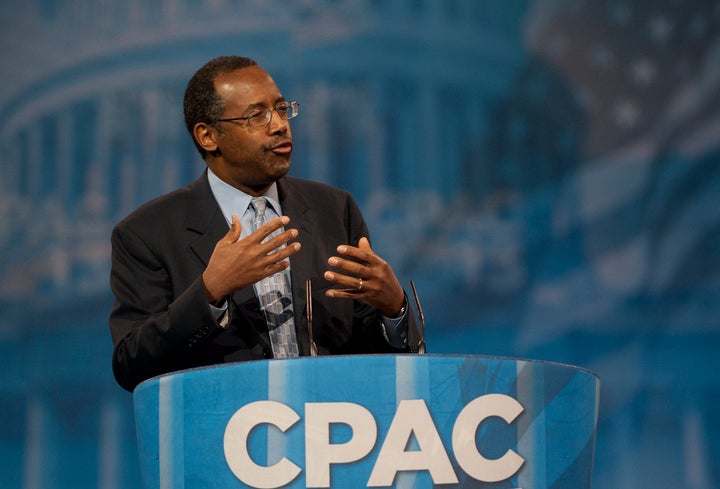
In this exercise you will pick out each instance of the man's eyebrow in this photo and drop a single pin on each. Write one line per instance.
(257, 105)
(263, 105)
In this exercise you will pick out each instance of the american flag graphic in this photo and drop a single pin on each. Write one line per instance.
(636, 66)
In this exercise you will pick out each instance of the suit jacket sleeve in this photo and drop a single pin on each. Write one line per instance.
(152, 328)
(327, 217)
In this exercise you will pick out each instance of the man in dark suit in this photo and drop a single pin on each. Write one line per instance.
(187, 289)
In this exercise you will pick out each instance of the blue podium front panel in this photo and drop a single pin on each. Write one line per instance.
(402, 421)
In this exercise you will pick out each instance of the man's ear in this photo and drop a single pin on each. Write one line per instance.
(206, 136)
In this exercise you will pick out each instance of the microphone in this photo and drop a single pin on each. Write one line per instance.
(421, 342)
(308, 313)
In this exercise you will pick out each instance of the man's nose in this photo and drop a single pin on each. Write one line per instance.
(277, 124)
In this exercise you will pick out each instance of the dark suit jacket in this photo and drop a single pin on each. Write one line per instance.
(161, 321)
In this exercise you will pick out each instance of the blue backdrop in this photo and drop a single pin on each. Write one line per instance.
(547, 172)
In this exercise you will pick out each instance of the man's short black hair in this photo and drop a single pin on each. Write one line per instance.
(201, 102)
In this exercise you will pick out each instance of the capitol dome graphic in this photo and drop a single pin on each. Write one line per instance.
(92, 127)
(98, 124)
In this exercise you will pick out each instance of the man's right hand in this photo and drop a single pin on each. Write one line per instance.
(237, 263)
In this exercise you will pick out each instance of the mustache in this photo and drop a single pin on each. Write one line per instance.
(278, 142)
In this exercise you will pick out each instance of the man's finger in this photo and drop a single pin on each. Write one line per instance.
(235, 229)
(278, 241)
(361, 253)
(268, 228)
(276, 254)
(351, 284)
(364, 244)
(349, 266)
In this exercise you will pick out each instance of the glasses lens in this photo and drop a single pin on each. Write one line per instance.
(287, 110)
(259, 119)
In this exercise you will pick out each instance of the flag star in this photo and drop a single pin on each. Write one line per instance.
(660, 29)
(681, 70)
(577, 7)
(643, 71)
(585, 98)
(602, 57)
(558, 45)
(621, 14)
(627, 114)
(698, 27)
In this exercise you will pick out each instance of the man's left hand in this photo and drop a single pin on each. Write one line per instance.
(366, 277)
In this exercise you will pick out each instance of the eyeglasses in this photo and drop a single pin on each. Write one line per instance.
(261, 118)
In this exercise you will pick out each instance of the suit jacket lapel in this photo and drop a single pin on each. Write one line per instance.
(206, 226)
(296, 207)
(205, 222)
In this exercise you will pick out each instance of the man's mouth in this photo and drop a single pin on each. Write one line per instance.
(282, 148)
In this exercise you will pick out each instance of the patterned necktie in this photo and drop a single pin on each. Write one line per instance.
(275, 299)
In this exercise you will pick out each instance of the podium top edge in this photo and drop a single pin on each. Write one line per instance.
(330, 358)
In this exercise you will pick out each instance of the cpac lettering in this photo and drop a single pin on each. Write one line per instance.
(412, 418)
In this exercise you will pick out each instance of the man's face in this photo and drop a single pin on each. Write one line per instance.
(251, 158)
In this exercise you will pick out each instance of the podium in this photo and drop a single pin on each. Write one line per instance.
(402, 421)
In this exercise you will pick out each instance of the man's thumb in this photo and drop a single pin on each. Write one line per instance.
(364, 244)
(235, 228)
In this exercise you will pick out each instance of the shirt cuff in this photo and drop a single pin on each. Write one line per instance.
(220, 313)
(395, 329)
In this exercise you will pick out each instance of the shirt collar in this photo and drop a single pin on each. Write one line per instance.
(234, 201)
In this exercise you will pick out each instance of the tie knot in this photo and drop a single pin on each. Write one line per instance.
(259, 204)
